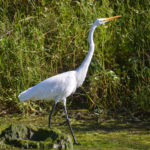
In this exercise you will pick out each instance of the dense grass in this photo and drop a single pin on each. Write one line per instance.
(41, 38)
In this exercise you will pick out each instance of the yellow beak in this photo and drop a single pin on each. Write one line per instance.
(111, 18)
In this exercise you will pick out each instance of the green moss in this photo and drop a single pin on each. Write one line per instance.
(107, 135)
(28, 137)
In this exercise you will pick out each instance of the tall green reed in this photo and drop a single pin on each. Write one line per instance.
(39, 39)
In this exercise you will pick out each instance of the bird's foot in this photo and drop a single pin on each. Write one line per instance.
(76, 143)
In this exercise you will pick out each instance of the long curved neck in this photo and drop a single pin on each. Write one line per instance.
(81, 71)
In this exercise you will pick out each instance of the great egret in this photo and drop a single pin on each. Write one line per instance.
(60, 86)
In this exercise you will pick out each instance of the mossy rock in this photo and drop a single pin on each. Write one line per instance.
(38, 138)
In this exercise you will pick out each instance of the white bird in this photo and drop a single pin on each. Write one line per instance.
(60, 86)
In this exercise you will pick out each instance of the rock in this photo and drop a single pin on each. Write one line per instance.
(38, 138)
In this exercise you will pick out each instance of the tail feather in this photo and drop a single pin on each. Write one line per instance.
(25, 95)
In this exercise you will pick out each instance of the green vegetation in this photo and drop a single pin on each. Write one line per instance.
(109, 134)
(27, 137)
(41, 38)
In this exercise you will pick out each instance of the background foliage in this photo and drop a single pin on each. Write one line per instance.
(41, 38)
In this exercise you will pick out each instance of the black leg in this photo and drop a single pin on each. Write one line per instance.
(50, 115)
(75, 141)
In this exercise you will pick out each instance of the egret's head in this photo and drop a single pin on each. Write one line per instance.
(104, 20)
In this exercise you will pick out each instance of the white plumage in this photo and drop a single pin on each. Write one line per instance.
(61, 86)
(56, 87)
